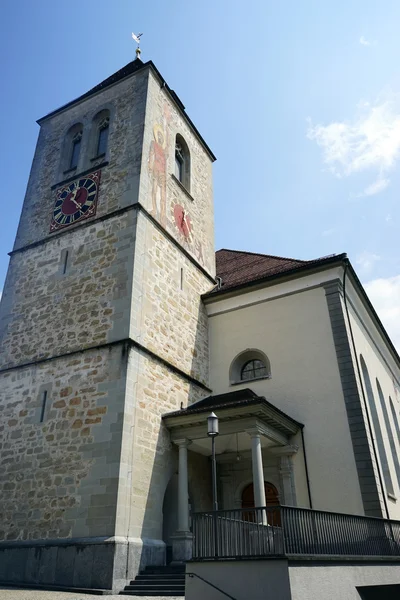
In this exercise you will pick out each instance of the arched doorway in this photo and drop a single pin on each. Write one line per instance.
(271, 499)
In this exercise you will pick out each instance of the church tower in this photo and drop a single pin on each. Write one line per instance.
(102, 330)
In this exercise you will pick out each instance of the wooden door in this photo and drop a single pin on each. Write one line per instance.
(271, 499)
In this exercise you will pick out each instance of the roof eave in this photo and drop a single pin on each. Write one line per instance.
(289, 274)
(374, 315)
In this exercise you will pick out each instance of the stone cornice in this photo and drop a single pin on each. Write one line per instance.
(129, 342)
(136, 206)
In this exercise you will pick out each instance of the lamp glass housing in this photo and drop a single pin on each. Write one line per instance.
(212, 425)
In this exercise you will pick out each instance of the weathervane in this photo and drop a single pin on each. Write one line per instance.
(136, 38)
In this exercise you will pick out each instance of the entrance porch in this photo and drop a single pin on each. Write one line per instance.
(254, 452)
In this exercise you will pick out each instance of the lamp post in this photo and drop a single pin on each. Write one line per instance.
(212, 432)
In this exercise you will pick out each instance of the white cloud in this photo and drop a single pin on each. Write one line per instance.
(366, 261)
(370, 141)
(374, 188)
(385, 296)
(364, 42)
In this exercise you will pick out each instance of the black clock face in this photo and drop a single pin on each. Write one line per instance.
(75, 201)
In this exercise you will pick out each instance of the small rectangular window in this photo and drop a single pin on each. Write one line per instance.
(44, 402)
(65, 263)
(181, 278)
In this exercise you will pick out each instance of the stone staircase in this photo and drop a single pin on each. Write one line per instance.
(160, 582)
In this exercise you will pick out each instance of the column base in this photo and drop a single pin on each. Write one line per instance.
(182, 547)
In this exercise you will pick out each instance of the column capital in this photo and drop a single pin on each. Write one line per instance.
(287, 450)
(255, 431)
(182, 443)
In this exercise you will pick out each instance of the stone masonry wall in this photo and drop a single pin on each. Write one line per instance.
(46, 313)
(119, 180)
(147, 456)
(59, 477)
(168, 320)
(163, 116)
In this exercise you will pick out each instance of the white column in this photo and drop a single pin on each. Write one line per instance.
(258, 473)
(183, 486)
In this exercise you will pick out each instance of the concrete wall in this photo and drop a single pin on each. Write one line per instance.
(290, 323)
(243, 580)
(325, 581)
(280, 580)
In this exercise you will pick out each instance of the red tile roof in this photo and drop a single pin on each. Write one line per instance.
(236, 268)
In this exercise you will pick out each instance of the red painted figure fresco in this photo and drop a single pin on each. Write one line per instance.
(158, 169)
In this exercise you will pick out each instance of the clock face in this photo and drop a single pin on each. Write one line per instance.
(75, 201)
(182, 220)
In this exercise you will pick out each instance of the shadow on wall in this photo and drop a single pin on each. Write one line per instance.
(379, 592)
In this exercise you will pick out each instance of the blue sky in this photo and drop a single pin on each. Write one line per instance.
(300, 101)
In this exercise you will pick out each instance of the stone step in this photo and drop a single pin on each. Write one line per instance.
(160, 579)
(164, 570)
(154, 587)
(154, 594)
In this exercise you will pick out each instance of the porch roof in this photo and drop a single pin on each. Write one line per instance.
(232, 406)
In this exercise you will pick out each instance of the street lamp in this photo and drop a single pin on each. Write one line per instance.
(212, 432)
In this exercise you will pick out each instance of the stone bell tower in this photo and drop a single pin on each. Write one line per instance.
(102, 330)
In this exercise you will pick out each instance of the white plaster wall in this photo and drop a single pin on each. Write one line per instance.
(380, 365)
(339, 581)
(295, 333)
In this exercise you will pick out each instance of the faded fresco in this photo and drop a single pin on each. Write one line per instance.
(157, 165)
(169, 205)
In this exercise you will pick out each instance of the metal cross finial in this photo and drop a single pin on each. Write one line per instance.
(136, 38)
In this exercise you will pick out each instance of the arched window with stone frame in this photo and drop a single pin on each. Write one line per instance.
(100, 131)
(250, 365)
(182, 162)
(72, 147)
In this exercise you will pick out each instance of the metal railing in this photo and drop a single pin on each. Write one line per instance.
(290, 531)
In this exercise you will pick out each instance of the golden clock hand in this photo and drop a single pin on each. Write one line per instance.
(76, 203)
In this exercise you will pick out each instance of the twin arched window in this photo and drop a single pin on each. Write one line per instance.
(94, 147)
(249, 365)
(73, 145)
(182, 162)
(102, 126)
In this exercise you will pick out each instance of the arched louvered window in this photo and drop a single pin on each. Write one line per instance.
(389, 431)
(377, 428)
(102, 138)
(99, 134)
(182, 162)
(73, 146)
